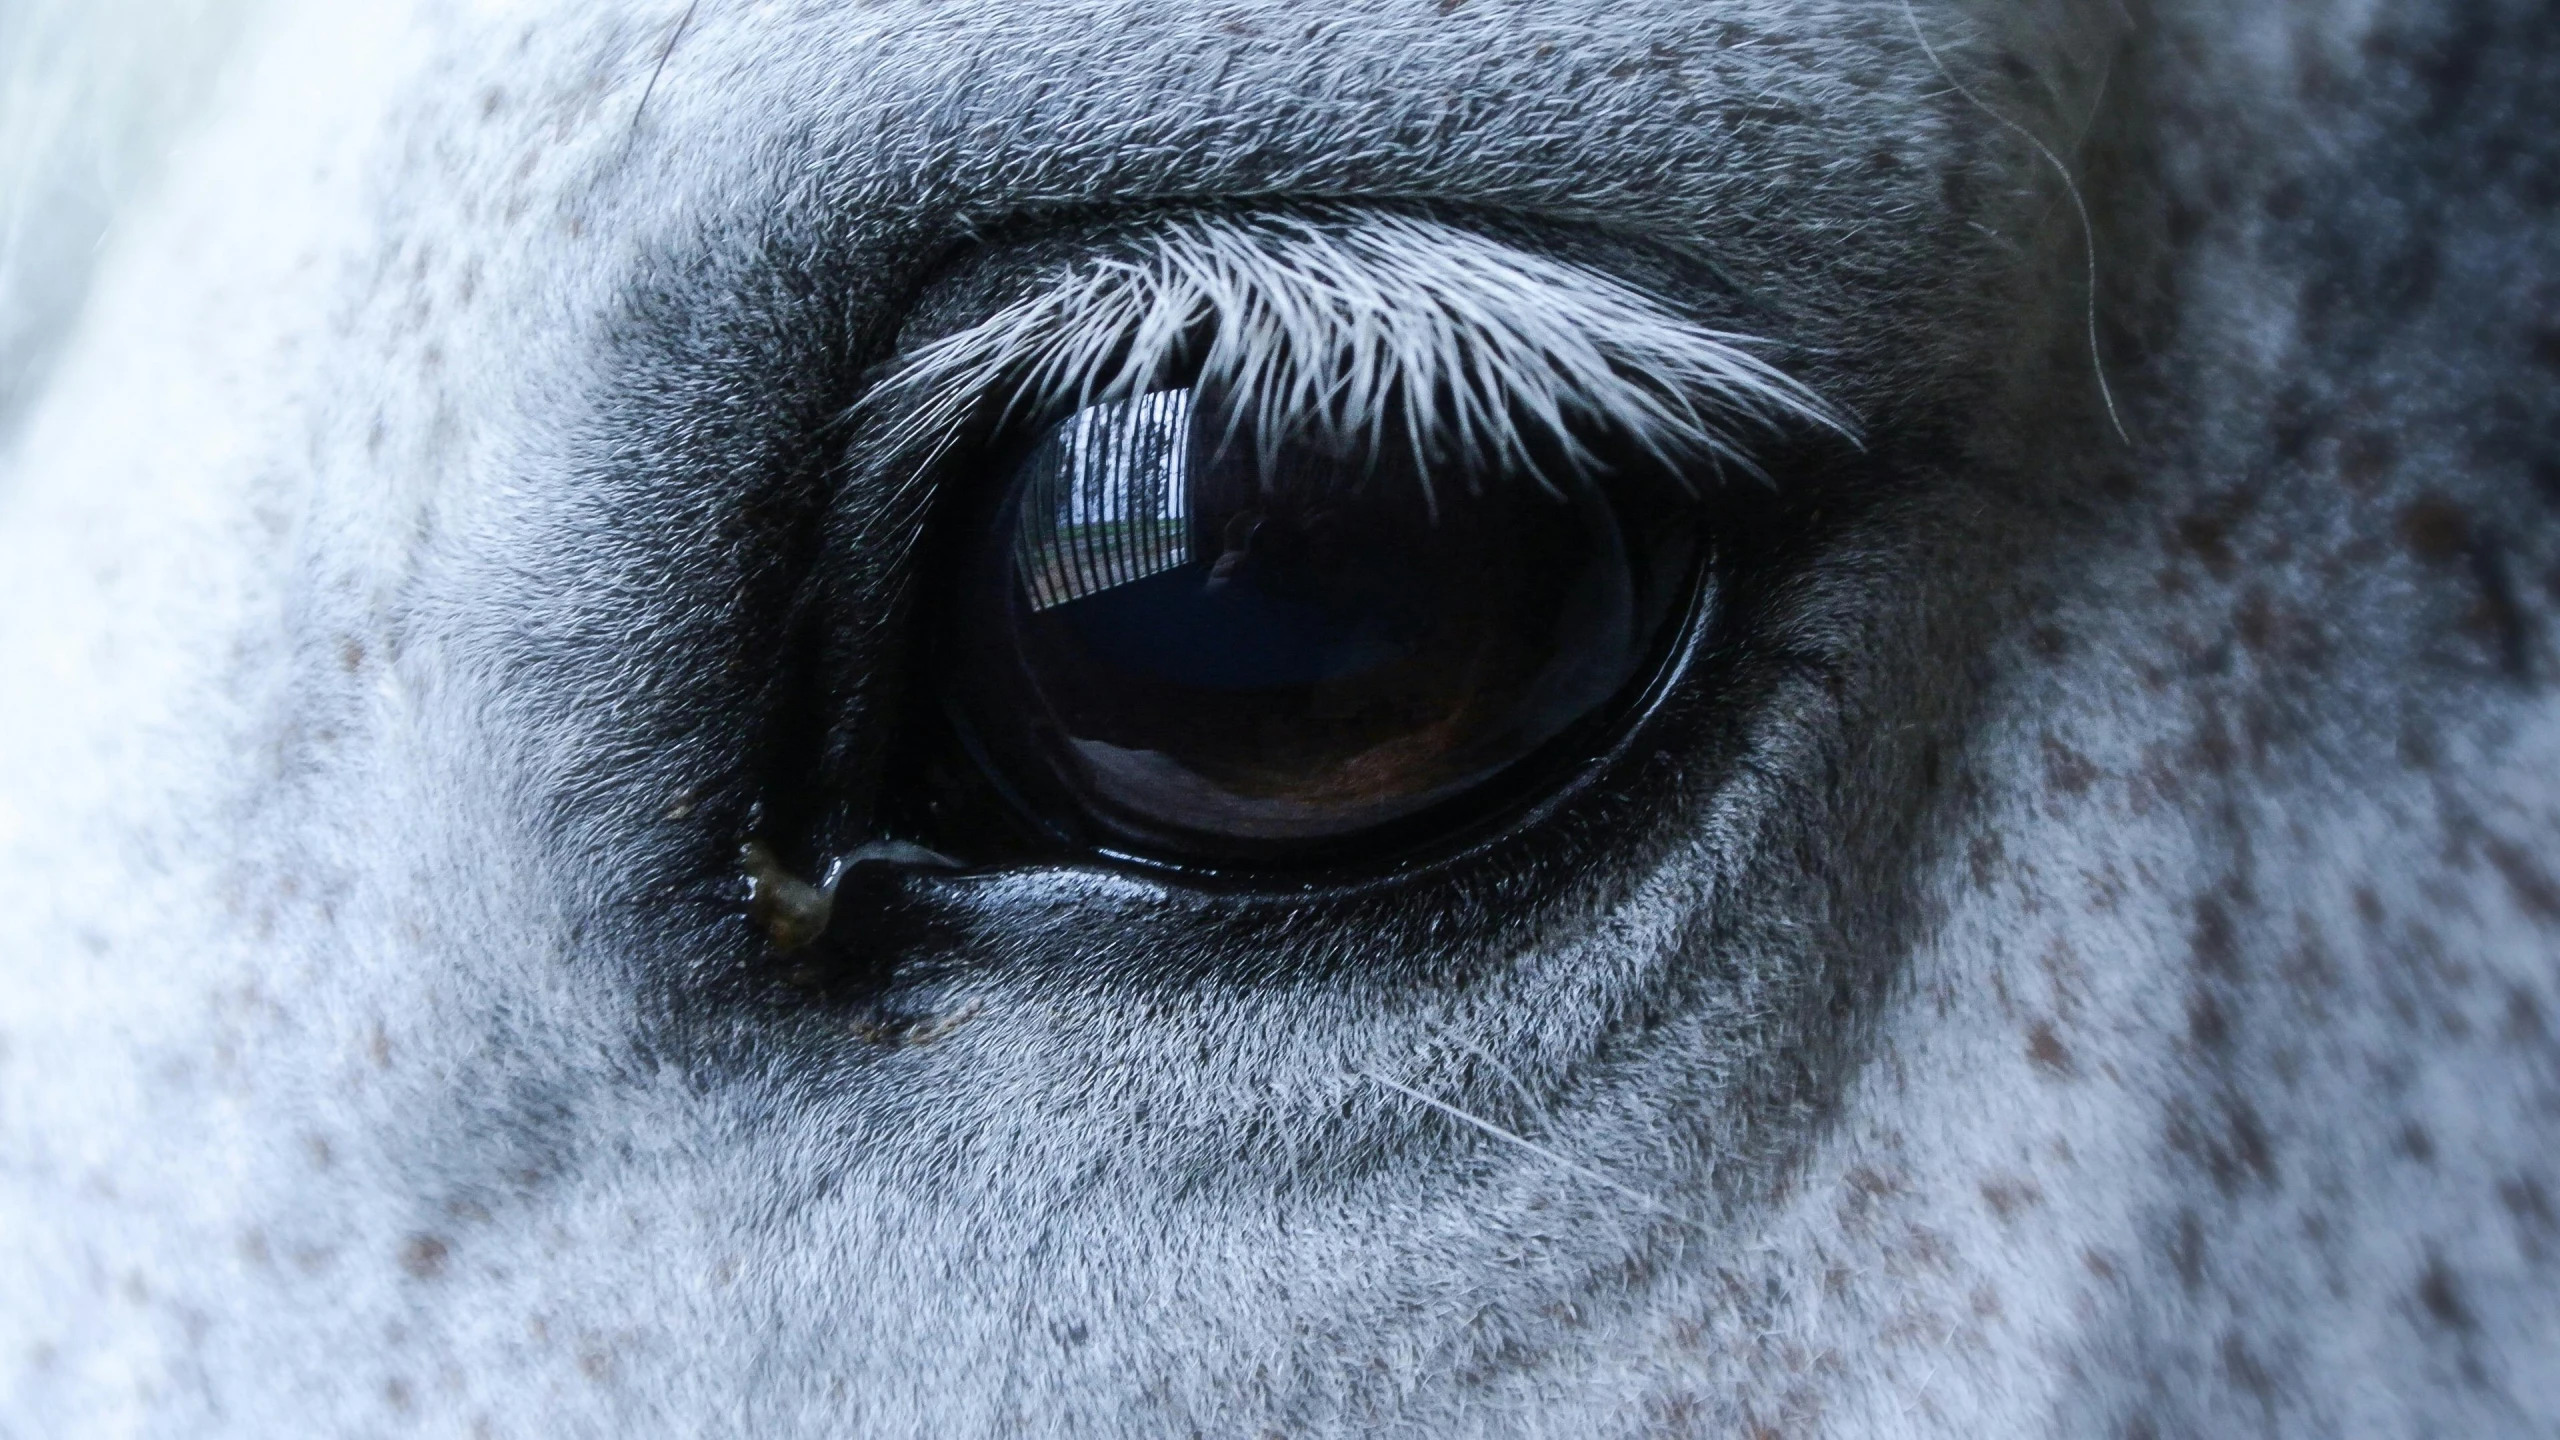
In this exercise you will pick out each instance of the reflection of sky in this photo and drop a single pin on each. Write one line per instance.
(1104, 501)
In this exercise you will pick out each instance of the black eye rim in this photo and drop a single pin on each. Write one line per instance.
(1525, 795)
(1746, 540)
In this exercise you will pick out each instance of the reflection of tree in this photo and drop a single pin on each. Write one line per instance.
(1106, 499)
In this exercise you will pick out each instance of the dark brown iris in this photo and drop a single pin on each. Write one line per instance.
(1200, 643)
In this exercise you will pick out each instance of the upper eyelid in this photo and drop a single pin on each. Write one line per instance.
(1345, 323)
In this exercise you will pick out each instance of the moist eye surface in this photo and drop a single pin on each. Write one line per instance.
(1181, 637)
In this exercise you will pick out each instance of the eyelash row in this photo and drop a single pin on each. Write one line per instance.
(1343, 328)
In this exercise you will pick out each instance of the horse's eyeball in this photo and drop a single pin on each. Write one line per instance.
(1182, 639)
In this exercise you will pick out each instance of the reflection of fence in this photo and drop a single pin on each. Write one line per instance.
(1105, 501)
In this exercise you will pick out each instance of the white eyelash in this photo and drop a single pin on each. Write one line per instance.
(1333, 326)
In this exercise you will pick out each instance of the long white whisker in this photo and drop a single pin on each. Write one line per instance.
(2070, 186)
(1510, 1076)
(1570, 1166)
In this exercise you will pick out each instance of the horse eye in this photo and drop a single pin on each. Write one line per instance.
(1179, 638)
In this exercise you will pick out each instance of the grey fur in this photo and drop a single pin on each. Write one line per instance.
(2074, 957)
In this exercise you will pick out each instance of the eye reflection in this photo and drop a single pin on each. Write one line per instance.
(1106, 500)
(1201, 641)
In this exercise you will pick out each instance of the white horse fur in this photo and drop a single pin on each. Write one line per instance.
(2080, 960)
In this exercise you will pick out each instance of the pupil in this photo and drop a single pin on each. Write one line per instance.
(1206, 642)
